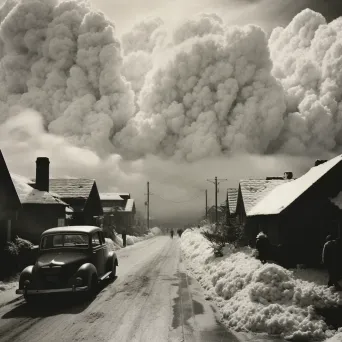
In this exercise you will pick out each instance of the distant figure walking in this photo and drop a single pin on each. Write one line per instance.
(179, 232)
(263, 247)
(330, 259)
(171, 233)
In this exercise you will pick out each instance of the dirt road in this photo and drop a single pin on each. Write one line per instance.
(152, 299)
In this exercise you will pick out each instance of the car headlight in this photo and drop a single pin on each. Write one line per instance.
(26, 283)
(78, 281)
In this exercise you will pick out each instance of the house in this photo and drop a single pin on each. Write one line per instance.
(40, 211)
(222, 208)
(119, 211)
(80, 194)
(221, 213)
(9, 202)
(302, 212)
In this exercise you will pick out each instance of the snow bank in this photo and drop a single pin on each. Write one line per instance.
(256, 297)
(131, 240)
(9, 284)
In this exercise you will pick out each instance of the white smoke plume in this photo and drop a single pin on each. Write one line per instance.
(63, 60)
(214, 93)
(307, 60)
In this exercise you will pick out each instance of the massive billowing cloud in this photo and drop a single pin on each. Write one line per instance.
(307, 60)
(213, 93)
(199, 89)
(63, 60)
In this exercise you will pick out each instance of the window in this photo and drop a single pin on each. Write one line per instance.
(96, 239)
(65, 240)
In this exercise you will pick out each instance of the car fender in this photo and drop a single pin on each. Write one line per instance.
(111, 259)
(86, 271)
(26, 274)
(115, 259)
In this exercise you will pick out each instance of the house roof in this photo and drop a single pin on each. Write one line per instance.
(254, 190)
(281, 197)
(11, 200)
(232, 199)
(110, 196)
(129, 205)
(29, 195)
(71, 187)
(220, 208)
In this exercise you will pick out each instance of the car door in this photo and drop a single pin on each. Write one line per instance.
(97, 256)
(105, 248)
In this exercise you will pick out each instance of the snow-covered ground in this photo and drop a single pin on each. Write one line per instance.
(7, 290)
(261, 298)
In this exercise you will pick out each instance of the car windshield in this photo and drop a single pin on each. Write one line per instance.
(65, 240)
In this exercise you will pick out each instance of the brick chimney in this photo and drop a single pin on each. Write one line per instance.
(42, 174)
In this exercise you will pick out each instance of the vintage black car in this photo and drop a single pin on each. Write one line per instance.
(71, 259)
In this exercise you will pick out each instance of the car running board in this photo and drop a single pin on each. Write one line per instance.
(106, 275)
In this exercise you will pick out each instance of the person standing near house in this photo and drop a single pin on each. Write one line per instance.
(263, 247)
(124, 235)
(331, 260)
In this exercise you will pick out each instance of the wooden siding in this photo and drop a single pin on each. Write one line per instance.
(34, 219)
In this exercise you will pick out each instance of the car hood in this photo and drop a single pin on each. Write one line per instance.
(61, 258)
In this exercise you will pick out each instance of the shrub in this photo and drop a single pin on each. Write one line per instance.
(15, 256)
(217, 239)
(221, 234)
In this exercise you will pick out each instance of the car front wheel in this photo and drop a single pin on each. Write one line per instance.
(92, 287)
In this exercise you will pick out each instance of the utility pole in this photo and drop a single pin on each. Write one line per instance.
(216, 182)
(148, 205)
(227, 210)
(206, 204)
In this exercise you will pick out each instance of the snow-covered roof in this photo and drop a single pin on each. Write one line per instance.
(129, 205)
(254, 190)
(110, 196)
(27, 194)
(282, 196)
(71, 187)
(232, 199)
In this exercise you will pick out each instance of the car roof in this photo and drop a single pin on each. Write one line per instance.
(72, 229)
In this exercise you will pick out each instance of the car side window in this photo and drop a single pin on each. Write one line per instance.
(96, 239)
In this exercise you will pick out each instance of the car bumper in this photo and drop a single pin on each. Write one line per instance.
(37, 292)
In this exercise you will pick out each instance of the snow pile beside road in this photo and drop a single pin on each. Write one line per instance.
(156, 231)
(9, 283)
(131, 240)
(259, 298)
(112, 246)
